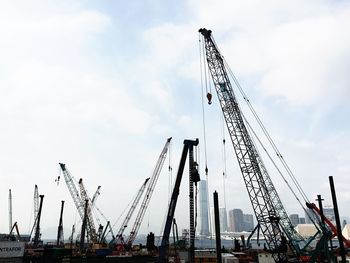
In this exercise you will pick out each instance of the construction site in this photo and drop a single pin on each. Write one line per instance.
(92, 240)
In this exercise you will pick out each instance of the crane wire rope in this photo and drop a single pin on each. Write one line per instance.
(266, 133)
(251, 130)
(196, 190)
(123, 212)
(224, 173)
(170, 169)
(204, 69)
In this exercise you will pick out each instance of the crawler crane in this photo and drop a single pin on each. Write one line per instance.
(78, 201)
(119, 236)
(148, 194)
(271, 216)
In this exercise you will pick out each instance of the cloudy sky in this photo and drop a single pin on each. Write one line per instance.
(101, 85)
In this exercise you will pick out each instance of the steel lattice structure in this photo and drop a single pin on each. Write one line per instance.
(269, 211)
(148, 194)
(119, 236)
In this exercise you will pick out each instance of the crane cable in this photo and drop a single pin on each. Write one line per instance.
(224, 172)
(271, 159)
(209, 96)
(202, 68)
(266, 133)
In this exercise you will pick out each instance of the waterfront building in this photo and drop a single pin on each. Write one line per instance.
(248, 222)
(203, 209)
(223, 219)
(301, 220)
(236, 220)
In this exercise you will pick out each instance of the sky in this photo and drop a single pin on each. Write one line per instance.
(101, 85)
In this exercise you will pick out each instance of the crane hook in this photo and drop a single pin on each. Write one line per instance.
(209, 96)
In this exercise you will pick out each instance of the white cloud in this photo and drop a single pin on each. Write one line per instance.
(85, 21)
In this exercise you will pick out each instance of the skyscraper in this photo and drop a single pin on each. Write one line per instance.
(223, 219)
(236, 220)
(203, 209)
(248, 222)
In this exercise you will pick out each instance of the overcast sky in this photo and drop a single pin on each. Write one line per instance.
(101, 85)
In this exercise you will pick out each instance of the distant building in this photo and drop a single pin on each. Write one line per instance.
(302, 220)
(223, 219)
(310, 216)
(236, 220)
(248, 222)
(329, 213)
(203, 209)
(294, 218)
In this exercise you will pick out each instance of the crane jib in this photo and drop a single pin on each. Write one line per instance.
(272, 218)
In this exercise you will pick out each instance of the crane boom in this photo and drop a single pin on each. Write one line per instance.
(36, 201)
(73, 190)
(148, 193)
(91, 230)
(268, 208)
(97, 194)
(125, 223)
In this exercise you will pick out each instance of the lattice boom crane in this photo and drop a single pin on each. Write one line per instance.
(119, 236)
(148, 193)
(269, 211)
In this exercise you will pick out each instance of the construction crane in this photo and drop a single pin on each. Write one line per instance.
(108, 226)
(10, 211)
(148, 194)
(187, 149)
(271, 216)
(97, 194)
(78, 201)
(15, 227)
(73, 190)
(36, 211)
(90, 222)
(36, 201)
(119, 236)
(37, 234)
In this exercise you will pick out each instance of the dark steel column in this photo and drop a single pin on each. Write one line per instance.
(60, 227)
(337, 220)
(217, 227)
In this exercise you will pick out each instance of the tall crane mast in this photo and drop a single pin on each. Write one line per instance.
(37, 234)
(148, 193)
(36, 201)
(10, 211)
(187, 149)
(269, 211)
(90, 221)
(119, 236)
(73, 190)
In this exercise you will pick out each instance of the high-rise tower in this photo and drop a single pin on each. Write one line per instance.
(203, 209)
